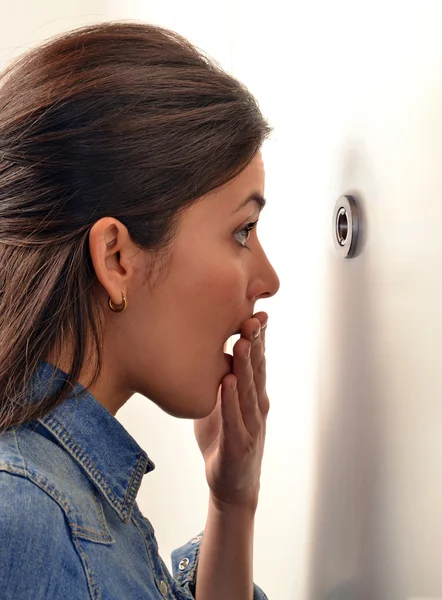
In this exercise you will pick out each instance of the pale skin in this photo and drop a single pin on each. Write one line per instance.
(168, 346)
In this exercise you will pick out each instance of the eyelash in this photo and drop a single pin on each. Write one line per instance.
(246, 231)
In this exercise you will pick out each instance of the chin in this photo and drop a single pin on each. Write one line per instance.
(193, 399)
(188, 404)
(189, 409)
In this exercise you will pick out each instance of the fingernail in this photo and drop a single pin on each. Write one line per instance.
(234, 385)
(247, 355)
(256, 333)
(264, 326)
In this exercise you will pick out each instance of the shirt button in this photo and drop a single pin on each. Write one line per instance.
(163, 588)
(196, 539)
(183, 564)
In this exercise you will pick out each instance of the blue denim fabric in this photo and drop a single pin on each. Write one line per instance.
(70, 527)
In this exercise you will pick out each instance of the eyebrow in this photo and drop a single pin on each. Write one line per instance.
(255, 197)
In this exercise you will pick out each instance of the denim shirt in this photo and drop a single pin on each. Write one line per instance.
(70, 527)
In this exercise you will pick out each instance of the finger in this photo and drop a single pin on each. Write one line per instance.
(230, 411)
(263, 399)
(253, 326)
(259, 362)
(263, 336)
(251, 330)
(259, 368)
(242, 367)
(262, 317)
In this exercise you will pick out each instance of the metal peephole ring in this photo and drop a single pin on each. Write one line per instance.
(346, 226)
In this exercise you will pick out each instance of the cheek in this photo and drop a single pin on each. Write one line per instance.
(180, 331)
(221, 285)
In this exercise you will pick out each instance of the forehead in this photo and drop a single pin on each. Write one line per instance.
(250, 180)
(218, 206)
(253, 173)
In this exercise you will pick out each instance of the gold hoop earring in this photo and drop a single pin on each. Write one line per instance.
(120, 308)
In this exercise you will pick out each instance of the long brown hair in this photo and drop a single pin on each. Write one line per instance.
(117, 119)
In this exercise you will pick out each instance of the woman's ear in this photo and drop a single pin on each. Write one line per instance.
(110, 247)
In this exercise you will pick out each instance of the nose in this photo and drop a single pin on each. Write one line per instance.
(265, 281)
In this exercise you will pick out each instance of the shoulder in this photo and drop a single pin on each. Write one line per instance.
(23, 501)
(32, 466)
(38, 555)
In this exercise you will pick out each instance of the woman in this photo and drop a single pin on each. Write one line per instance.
(131, 182)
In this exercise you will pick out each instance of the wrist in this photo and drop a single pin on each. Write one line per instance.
(244, 508)
(225, 567)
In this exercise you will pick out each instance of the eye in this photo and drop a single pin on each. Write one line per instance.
(243, 234)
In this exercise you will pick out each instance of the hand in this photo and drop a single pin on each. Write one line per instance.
(231, 438)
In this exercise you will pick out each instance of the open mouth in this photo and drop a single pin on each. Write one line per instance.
(228, 346)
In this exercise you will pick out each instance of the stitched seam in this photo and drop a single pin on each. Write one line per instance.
(149, 555)
(17, 445)
(92, 584)
(38, 480)
(21, 453)
(91, 535)
(101, 516)
(78, 528)
(135, 481)
(81, 528)
(84, 459)
(60, 432)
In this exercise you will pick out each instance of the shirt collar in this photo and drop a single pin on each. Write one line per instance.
(96, 440)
